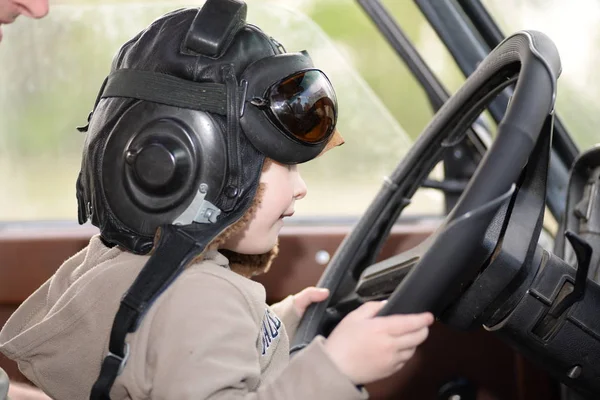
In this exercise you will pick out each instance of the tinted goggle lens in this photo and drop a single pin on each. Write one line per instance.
(304, 105)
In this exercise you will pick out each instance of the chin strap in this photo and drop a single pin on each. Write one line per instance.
(174, 251)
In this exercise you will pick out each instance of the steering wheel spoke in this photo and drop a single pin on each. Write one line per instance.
(381, 279)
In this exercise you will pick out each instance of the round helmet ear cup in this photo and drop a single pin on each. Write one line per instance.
(159, 166)
(149, 156)
(155, 160)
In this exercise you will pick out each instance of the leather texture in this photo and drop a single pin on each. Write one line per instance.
(104, 196)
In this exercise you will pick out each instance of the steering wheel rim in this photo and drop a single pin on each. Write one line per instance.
(528, 58)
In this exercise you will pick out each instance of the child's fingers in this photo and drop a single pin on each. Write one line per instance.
(310, 295)
(411, 339)
(398, 325)
(318, 294)
(404, 356)
(368, 310)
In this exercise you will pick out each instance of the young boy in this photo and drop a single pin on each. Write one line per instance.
(188, 170)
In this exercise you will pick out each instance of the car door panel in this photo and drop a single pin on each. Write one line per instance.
(448, 359)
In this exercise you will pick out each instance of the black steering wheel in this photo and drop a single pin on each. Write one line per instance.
(444, 265)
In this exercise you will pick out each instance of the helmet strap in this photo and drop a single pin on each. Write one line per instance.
(175, 249)
(234, 161)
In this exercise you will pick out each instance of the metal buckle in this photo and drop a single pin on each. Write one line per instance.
(200, 210)
(122, 360)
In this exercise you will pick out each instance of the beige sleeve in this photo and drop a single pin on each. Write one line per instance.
(203, 347)
(286, 312)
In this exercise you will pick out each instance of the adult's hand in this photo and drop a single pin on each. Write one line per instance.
(20, 391)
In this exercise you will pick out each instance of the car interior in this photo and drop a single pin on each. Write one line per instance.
(467, 185)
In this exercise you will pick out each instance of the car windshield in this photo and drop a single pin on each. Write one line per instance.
(574, 26)
(52, 69)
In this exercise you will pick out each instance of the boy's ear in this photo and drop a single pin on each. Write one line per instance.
(336, 140)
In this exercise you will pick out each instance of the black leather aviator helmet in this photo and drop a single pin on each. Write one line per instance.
(183, 122)
(177, 139)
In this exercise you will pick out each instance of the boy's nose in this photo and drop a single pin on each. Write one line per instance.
(33, 8)
(300, 188)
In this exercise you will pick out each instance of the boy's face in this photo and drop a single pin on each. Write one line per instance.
(283, 186)
(11, 9)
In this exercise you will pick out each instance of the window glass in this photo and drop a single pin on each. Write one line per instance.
(574, 26)
(427, 42)
(52, 69)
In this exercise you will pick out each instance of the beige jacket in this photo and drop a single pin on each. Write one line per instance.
(210, 335)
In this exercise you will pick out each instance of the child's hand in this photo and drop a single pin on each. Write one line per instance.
(367, 348)
(308, 296)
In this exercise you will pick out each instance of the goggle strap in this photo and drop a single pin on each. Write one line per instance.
(167, 89)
